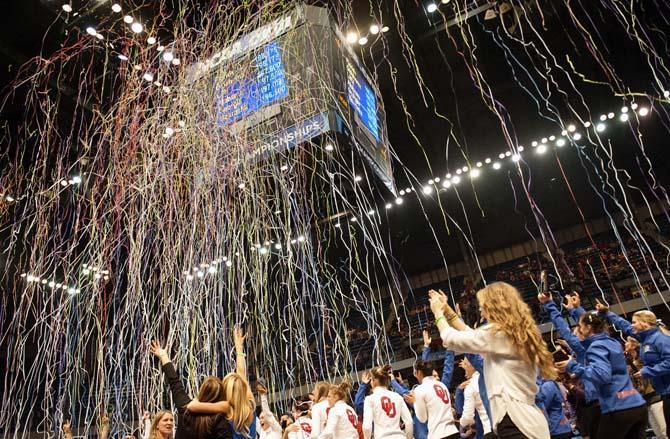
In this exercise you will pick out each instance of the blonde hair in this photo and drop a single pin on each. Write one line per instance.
(341, 390)
(321, 390)
(153, 432)
(236, 391)
(648, 317)
(509, 314)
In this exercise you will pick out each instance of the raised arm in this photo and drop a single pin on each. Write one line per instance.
(238, 338)
(359, 400)
(179, 395)
(146, 420)
(448, 368)
(621, 324)
(103, 428)
(67, 429)
(399, 387)
(562, 326)
(209, 408)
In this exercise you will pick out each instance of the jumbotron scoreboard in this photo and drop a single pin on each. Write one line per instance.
(290, 81)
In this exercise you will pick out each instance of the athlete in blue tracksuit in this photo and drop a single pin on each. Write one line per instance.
(624, 411)
(654, 351)
(550, 400)
(420, 428)
(589, 415)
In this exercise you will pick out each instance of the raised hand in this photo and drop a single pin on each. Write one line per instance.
(601, 308)
(157, 349)
(146, 415)
(67, 428)
(261, 389)
(239, 336)
(426, 338)
(366, 378)
(544, 297)
(437, 302)
(573, 301)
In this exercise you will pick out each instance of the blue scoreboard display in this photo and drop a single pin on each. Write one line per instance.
(362, 99)
(263, 84)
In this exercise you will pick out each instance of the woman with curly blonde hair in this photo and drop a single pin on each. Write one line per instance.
(513, 351)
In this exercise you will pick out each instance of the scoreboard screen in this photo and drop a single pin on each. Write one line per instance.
(362, 99)
(259, 83)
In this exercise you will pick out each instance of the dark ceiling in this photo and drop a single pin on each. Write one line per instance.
(453, 125)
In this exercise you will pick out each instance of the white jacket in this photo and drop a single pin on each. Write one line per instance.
(305, 431)
(342, 422)
(385, 409)
(319, 417)
(432, 403)
(510, 379)
(473, 402)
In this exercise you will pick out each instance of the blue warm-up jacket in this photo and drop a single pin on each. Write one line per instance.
(606, 369)
(573, 341)
(550, 400)
(654, 352)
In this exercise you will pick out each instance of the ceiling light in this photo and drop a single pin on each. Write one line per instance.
(456, 179)
(352, 37)
(643, 111)
(385, 29)
(168, 56)
(176, 62)
(363, 41)
(446, 184)
(329, 147)
(431, 7)
(541, 149)
(9, 198)
(572, 128)
(67, 8)
(610, 115)
(398, 201)
(427, 190)
(624, 109)
(623, 117)
(166, 89)
(151, 40)
(123, 57)
(475, 173)
(603, 117)
(148, 76)
(501, 155)
(534, 143)
(520, 148)
(388, 205)
(358, 178)
(374, 29)
(496, 165)
(666, 94)
(160, 48)
(64, 183)
(301, 238)
(444, 2)
(137, 27)
(560, 142)
(516, 157)
(116, 7)
(577, 136)
(229, 264)
(241, 185)
(600, 127)
(128, 19)
(634, 106)
(91, 31)
(76, 179)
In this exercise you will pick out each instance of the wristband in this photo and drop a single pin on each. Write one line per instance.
(452, 317)
(241, 354)
(439, 319)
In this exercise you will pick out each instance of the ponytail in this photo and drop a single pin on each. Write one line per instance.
(381, 374)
